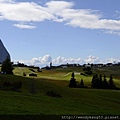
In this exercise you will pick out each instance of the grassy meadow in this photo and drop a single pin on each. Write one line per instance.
(74, 101)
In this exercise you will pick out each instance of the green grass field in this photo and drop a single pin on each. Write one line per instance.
(74, 101)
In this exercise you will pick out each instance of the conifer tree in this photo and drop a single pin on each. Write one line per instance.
(111, 83)
(95, 81)
(105, 83)
(73, 83)
(7, 66)
(81, 84)
(100, 82)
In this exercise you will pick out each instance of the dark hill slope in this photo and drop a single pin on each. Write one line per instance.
(73, 101)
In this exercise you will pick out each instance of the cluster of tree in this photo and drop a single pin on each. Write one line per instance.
(100, 82)
(20, 65)
(88, 70)
(7, 67)
(74, 84)
(14, 86)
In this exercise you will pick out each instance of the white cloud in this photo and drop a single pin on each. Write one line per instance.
(46, 59)
(54, 6)
(59, 60)
(92, 59)
(24, 26)
(58, 11)
(115, 32)
(112, 60)
(63, 60)
(24, 11)
(6, 1)
(80, 18)
(35, 60)
(117, 14)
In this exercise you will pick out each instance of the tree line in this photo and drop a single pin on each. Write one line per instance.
(98, 82)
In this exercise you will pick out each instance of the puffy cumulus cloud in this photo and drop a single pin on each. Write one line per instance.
(46, 59)
(92, 59)
(111, 60)
(59, 60)
(33, 12)
(63, 60)
(35, 60)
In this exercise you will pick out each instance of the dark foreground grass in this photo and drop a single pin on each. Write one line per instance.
(73, 102)
(18, 103)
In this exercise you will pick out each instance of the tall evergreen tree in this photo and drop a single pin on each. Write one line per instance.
(111, 83)
(81, 84)
(105, 83)
(73, 75)
(95, 81)
(73, 83)
(100, 82)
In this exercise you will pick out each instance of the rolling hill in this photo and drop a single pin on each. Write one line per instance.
(73, 101)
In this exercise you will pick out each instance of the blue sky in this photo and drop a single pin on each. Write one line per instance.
(37, 32)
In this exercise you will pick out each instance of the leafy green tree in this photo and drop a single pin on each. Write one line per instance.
(7, 66)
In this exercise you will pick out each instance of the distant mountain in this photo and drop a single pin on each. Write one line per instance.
(3, 52)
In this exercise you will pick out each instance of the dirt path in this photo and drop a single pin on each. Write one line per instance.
(67, 74)
(76, 73)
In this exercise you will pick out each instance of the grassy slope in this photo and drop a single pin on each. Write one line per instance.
(73, 101)
(81, 102)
